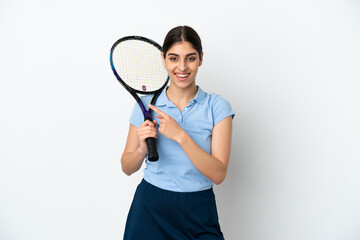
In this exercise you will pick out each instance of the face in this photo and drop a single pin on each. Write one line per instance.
(182, 62)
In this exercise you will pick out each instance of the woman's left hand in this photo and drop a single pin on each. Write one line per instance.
(168, 126)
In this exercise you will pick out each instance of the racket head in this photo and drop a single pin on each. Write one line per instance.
(137, 63)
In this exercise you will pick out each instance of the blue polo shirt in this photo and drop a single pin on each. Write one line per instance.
(174, 171)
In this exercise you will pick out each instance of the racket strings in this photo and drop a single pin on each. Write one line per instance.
(139, 65)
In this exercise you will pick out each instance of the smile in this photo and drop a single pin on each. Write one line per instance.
(182, 75)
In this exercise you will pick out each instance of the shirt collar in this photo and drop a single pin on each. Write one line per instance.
(200, 96)
(163, 100)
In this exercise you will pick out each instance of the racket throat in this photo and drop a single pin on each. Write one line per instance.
(147, 115)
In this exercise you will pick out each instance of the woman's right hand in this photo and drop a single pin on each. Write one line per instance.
(145, 130)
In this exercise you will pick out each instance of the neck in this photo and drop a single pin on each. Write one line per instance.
(181, 97)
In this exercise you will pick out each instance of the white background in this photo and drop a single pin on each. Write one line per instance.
(290, 69)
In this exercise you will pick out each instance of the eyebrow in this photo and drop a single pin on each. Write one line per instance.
(187, 55)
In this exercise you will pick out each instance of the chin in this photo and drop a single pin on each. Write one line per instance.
(184, 85)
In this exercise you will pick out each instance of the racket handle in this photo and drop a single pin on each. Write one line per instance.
(153, 155)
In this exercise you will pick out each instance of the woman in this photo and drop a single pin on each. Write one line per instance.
(175, 200)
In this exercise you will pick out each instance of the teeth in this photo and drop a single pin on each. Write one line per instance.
(182, 75)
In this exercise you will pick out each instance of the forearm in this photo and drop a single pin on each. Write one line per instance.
(207, 164)
(132, 161)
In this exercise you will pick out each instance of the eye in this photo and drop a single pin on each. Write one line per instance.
(191, 59)
(172, 58)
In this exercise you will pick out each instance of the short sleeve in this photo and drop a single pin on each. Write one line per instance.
(221, 109)
(137, 116)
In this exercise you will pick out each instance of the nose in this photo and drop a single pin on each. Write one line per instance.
(182, 65)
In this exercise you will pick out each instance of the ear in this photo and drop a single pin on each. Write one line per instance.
(163, 58)
(202, 55)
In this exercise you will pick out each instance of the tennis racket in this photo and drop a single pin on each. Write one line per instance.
(137, 64)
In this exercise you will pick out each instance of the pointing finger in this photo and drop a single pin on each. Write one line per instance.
(158, 111)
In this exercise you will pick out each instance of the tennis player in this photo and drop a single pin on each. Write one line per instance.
(175, 199)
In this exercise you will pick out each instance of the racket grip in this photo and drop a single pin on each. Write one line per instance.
(153, 155)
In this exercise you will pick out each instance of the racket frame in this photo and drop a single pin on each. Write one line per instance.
(153, 156)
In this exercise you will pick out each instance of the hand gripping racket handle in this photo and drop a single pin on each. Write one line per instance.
(153, 155)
